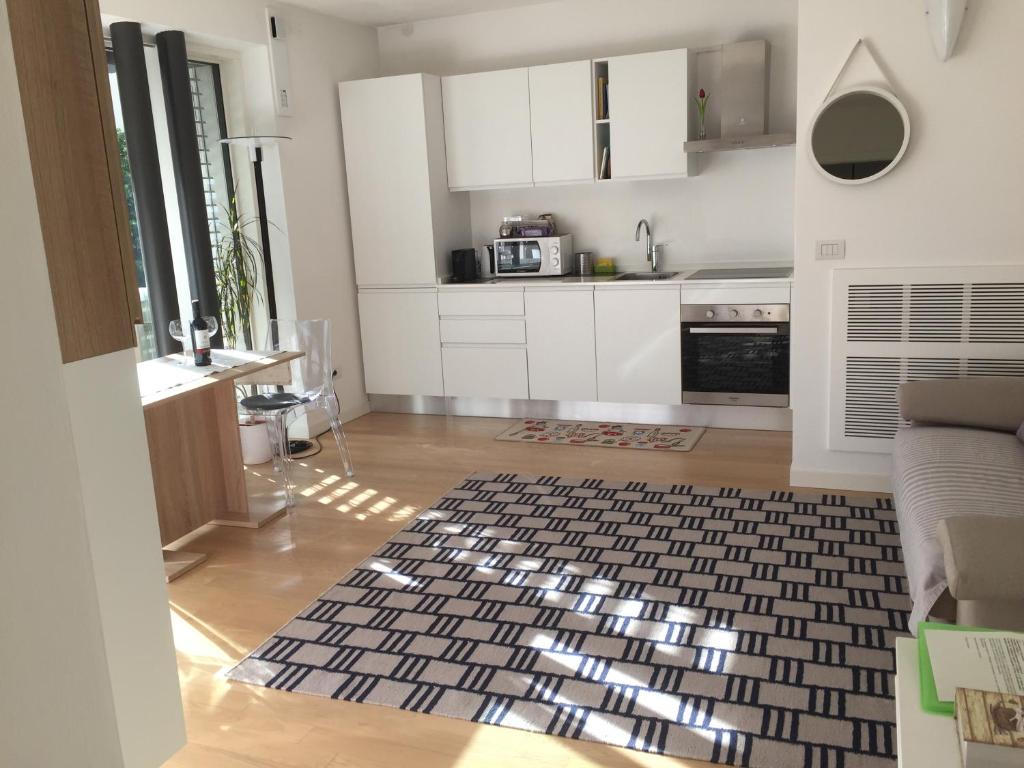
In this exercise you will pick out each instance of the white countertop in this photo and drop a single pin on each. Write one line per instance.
(680, 277)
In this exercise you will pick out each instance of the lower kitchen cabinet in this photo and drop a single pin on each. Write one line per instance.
(401, 341)
(485, 370)
(638, 345)
(560, 344)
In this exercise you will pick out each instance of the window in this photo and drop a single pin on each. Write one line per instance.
(215, 163)
(147, 345)
(208, 109)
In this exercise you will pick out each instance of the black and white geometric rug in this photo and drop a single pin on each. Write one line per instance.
(751, 628)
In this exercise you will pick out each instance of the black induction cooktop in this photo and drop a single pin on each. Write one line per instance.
(742, 273)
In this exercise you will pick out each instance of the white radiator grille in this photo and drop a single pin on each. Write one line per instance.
(875, 313)
(995, 367)
(871, 409)
(936, 313)
(896, 325)
(950, 312)
(997, 312)
(871, 382)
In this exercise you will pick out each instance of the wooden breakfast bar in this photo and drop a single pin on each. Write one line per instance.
(194, 448)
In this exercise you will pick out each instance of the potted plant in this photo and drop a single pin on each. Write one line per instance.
(255, 440)
(236, 268)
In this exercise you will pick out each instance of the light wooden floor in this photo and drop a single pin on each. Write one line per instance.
(257, 580)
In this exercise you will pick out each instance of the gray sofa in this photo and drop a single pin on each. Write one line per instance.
(958, 484)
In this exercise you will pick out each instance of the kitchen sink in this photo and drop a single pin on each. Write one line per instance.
(646, 276)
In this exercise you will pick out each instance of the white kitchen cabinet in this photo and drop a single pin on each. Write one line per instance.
(638, 344)
(487, 301)
(401, 341)
(560, 344)
(647, 114)
(405, 221)
(483, 330)
(562, 122)
(487, 129)
(485, 370)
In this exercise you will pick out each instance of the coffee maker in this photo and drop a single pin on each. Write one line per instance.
(465, 268)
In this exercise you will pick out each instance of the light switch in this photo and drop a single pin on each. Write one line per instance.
(830, 249)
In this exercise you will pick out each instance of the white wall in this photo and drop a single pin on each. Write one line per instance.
(955, 199)
(738, 209)
(323, 52)
(109, 435)
(88, 670)
(306, 192)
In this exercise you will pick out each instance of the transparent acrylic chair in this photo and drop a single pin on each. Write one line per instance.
(310, 387)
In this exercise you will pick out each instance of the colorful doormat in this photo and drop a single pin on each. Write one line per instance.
(603, 434)
(748, 628)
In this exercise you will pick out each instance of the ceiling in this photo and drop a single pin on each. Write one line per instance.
(379, 13)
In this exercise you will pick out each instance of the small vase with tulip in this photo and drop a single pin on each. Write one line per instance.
(701, 100)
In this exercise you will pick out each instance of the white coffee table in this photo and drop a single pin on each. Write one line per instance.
(923, 740)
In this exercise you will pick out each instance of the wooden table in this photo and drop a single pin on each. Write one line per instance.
(194, 448)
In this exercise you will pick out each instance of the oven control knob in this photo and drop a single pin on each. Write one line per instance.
(555, 261)
(758, 314)
(554, 250)
(734, 313)
(709, 314)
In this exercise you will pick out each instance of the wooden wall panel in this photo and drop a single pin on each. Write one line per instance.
(58, 52)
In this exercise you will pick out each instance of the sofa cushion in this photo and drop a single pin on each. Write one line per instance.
(983, 402)
(941, 472)
(982, 556)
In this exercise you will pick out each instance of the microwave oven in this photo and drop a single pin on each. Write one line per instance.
(533, 256)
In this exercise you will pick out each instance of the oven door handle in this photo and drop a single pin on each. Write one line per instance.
(759, 331)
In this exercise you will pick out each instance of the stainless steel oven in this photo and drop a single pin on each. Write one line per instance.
(736, 354)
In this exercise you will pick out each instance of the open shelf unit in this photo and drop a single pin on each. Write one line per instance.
(602, 123)
(706, 70)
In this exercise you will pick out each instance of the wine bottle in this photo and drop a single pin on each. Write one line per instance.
(200, 337)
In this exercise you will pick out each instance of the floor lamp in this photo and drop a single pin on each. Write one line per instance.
(255, 145)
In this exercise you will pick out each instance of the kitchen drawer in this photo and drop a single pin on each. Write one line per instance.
(480, 302)
(485, 371)
(747, 293)
(483, 330)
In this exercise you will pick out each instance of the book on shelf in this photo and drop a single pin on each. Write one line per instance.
(602, 98)
(990, 728)
(605, 169)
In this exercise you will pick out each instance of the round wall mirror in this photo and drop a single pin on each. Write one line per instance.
(859, 135)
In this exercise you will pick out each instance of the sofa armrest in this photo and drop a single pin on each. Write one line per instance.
(984, 402)
(982, 554)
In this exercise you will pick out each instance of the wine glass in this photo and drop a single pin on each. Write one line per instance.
(178, 334)
(212, 327)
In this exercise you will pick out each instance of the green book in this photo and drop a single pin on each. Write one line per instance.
(930, 701)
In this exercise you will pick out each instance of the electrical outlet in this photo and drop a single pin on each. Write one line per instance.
(828, 250)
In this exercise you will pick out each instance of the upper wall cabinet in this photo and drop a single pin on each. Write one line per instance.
(69, 122)
(646, 115)
(405, 222)
(561, 123)
(487, 129)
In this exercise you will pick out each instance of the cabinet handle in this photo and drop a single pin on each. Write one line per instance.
(749, 331)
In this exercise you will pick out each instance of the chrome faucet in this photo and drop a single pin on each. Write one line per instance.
(651, 248)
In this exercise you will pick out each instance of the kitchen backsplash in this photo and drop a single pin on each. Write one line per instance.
(740, 208)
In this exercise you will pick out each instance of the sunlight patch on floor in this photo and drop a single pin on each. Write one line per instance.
(198, 640)
(310, 490)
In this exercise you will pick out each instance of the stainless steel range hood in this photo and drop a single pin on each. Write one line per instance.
(743, 100)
